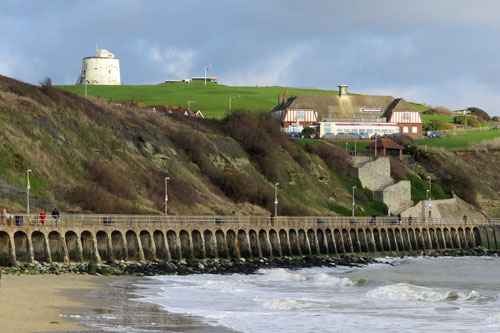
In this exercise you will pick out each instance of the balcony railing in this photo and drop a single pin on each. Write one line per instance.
(127, 221)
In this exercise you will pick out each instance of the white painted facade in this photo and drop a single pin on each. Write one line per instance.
(359, 128)
(103, 69)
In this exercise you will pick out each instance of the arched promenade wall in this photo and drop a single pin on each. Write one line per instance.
(148, 238)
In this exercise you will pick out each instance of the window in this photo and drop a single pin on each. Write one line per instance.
(328, 128)
(406, 116)
(300, 115)
(414, 129)
(405, 129)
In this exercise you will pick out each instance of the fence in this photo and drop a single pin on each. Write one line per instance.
(117, 221)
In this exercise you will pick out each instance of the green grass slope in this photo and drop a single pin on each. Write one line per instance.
(212, 99)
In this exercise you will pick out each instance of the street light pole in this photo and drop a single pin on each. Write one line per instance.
(430, 188)
(346, 148)
(276, 199)
(230, 98)
(354, 187)
(28, 187)
(166, 195)
(189, 104)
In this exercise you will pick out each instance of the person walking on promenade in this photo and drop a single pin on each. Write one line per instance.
(42, 216)
(55, 215)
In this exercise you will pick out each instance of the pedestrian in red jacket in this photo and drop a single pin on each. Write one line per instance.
(42, 216)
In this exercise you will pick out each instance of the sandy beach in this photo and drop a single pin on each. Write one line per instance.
(34, 303)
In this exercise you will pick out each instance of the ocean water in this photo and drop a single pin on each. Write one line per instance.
(410, 294)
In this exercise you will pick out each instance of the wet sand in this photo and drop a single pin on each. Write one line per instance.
(40, 303)
(34, 303)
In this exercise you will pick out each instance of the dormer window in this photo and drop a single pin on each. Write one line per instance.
(406, 116)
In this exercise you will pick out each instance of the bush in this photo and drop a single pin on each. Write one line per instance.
(440, 110)
(466, 121)
(335, 158)
(103, 174)
(308, 132)
(404, 140)
(398, 169)
(480, 115)
(437, 125)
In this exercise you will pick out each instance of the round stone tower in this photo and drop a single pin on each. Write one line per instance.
(102, 69)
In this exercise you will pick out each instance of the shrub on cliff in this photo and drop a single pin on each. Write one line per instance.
(335, 158)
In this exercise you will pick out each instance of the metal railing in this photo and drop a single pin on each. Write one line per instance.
(118, 221)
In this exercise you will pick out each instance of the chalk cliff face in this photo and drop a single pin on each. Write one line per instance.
(89, 155)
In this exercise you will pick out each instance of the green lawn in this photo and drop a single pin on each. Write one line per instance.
(428, 117)
(461, 140)
(212, 99)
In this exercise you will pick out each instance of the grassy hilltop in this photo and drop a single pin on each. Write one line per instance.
(90, 156)
(212, 99)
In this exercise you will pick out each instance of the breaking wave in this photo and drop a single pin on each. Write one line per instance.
(408, 292)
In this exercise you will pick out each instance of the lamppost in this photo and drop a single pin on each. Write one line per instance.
(430, 188)
(166, 195)
(427, 194)
(353, 188)
(189, 104)
(230, 98)
(28, 187)
(346, 148)
(276, 199)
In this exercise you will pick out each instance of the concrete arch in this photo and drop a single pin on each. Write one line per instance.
(392, 239)
(5, 249)
(419, 238)
(347, 241)
(161, 248)
(304, 244)
(132, 245)
(440, 238)
(102, 245)
(220, 240)
(185, 244)
(447, 237)
(399, 239)
(427, 240)
(210, 246)
(434, 239)
(173, 245)
(470, 238)
(22, 246)
(118, 245)
(362, 240)
(406, 239)
(313, 242)
(354, 240)
(254, 243)
(461, 238)
(232, 247)
(243, 244)
(385, 240)
(378, 242)
(275, 243)
(370, 241)
(339, 242)
(454, 238)
(413, 240)
(147, 245)
(477, 236)
(40, 248)
(492, 240)
(264, 244)
(56, 247)
(198, 246)
(322, 245)
(294, 242)
(332, 249)
(285, 246)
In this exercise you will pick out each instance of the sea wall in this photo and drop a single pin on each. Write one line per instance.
(218, 239)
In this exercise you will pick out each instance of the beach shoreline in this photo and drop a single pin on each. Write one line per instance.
(49, 302)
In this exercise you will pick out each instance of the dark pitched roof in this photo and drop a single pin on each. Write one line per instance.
(347, 106)
(385, 143)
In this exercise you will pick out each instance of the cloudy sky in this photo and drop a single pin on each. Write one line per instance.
(442, 52)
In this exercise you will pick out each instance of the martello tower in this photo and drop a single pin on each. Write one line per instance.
(103, 69)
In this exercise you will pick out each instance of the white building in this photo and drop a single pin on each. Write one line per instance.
(103, 69)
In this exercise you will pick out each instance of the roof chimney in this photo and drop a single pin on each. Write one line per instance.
(279, 99)
(342, 90)
(285, 97)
